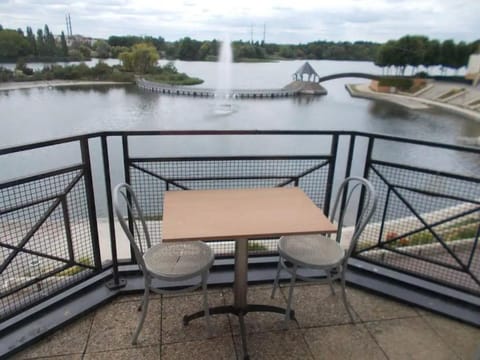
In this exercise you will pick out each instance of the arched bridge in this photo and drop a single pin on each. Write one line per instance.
(348, 75)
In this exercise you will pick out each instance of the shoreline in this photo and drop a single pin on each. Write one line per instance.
(19, 85)
(411, 102)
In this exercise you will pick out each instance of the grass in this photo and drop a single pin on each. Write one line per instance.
(254, 246)
(76, 269)
(451, 93)
(464, 230)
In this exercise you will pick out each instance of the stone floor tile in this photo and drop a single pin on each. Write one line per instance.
(342, 342)
(115, 323)
(174, 309)
(68, 340)
(370, 307)
(463, 339)
(409, 338)
(135, 297)
(275, 345)
(219, 348)
(260, 321)
(315, 305)
(137, 353)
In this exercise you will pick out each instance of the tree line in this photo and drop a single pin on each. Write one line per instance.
(194, 50)
(410, 50)
(419, 50)
(15, 44)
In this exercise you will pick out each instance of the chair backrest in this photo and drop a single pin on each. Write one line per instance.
(345, 199)
(124, 198)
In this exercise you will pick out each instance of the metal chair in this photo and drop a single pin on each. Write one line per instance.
(320, 252)
(173, 262)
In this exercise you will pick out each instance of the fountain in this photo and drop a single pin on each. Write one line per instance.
(223, 95)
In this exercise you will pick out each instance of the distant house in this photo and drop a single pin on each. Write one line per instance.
(473, 69)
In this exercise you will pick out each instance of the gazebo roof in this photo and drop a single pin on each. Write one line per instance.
(306, 69)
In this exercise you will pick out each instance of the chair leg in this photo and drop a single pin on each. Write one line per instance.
(290, 294)
(205, 303)
(144, 306)
(277, 277)
(329, 277)
(344, 297)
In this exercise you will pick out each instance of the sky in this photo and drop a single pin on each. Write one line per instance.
(284, 21)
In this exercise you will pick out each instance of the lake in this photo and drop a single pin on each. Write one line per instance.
(47, 113)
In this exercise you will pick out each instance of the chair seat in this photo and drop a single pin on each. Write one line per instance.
(314, 251)
(177, 260)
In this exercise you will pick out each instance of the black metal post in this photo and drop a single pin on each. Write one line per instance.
(92, 213)
(116, 282)
(331, 173)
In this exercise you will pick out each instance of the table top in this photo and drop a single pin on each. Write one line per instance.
(240, 213)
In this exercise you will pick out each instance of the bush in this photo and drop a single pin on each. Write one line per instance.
(5, 75)
(403, 84)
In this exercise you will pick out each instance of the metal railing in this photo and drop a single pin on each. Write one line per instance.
(58, 229)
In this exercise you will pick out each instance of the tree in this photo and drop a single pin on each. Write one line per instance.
(31, 40)
(432, 54)
(447, 54)
(13, 45)
(41, 43)
(50, 46)
(188, 49)
(102, 49)
(63, 44)
(141, 59)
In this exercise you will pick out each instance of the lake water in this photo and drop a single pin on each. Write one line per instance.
(37, 114)
(47, 113)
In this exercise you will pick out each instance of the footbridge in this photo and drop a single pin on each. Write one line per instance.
(305, 81)
(348, 75)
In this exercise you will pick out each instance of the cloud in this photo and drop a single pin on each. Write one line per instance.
(349, 20)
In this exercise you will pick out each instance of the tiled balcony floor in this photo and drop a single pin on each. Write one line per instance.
(384, 329)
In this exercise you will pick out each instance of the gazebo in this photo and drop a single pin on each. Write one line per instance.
(306, 69)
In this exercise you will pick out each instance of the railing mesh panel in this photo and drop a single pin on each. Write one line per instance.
(150, 180)
(426, 224)
(45, 239)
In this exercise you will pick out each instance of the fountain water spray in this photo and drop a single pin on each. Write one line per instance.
(223, 92)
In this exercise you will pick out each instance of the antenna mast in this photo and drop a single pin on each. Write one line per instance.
(69, 25)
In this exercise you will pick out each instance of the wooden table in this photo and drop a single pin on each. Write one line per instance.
(240, 214)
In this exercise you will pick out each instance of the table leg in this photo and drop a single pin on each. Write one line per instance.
(241, 274)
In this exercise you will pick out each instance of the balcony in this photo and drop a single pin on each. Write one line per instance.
(384, 329)
(66, 270)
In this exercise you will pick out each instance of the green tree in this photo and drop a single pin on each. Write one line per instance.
(102, 49)
(141, 59)
(50, 46)
(42, 50)
(432, 54)
(204, 50)
(13, 45)
(63, 44)
(31, 40)
(188, 49)
(447, 55)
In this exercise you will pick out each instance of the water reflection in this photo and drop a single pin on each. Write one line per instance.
(306, 99)
(386, 110)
